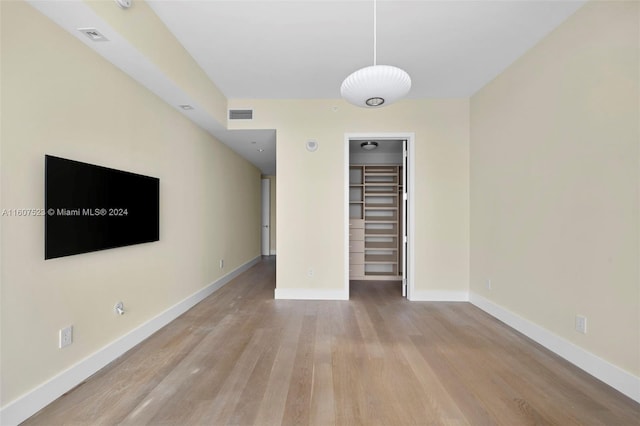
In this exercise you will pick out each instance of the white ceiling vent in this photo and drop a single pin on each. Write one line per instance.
(93, 34)
(240, 114)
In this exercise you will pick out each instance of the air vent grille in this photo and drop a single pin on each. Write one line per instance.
(240, 114)
(93, 34)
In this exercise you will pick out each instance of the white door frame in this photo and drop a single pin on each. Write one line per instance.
(265, 230)
(404, 201)
(410, 138)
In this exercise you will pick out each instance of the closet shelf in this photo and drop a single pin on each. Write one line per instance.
(380, 258)
(385, 207)
(381, 245)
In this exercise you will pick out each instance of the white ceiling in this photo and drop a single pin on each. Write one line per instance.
(305, 48)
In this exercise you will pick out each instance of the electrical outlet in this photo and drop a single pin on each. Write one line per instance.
(581, 324)
(487, 284)
(310, 272)
(65, 337)
(221, 263)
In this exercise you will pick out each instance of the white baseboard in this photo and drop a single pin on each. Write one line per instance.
(27, 405)
(612, 375)
(439, 296)
(311, 294)
(272, 253)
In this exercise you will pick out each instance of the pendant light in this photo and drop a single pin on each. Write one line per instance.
(376, 85)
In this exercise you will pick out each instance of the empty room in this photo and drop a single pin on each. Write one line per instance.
(318, 212)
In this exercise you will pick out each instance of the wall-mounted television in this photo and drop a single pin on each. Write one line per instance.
(90, 208)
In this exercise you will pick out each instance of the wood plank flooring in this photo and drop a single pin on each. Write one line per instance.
(242, 358)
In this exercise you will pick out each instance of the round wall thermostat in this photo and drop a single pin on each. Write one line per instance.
(125, 4)
(312, 145)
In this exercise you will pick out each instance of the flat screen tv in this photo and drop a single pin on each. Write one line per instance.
(90, 208)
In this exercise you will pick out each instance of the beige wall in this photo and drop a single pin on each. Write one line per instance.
(61, 98)
(310, 196)
(555, 180)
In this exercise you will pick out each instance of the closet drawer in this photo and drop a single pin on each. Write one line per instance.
(356, 234)
(356, 271)
(356, 259)
(356, 223)
(356, 245)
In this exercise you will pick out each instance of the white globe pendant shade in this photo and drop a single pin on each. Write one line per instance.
(375, 86)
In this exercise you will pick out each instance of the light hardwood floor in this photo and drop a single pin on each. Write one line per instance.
(242, 358)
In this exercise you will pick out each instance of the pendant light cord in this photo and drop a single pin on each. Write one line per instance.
(375, 32)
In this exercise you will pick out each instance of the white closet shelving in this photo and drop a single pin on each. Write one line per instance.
(374, 213)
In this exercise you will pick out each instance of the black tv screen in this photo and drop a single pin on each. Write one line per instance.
(90, 208)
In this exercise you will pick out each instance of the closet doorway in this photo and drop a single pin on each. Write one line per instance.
(378, 188)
